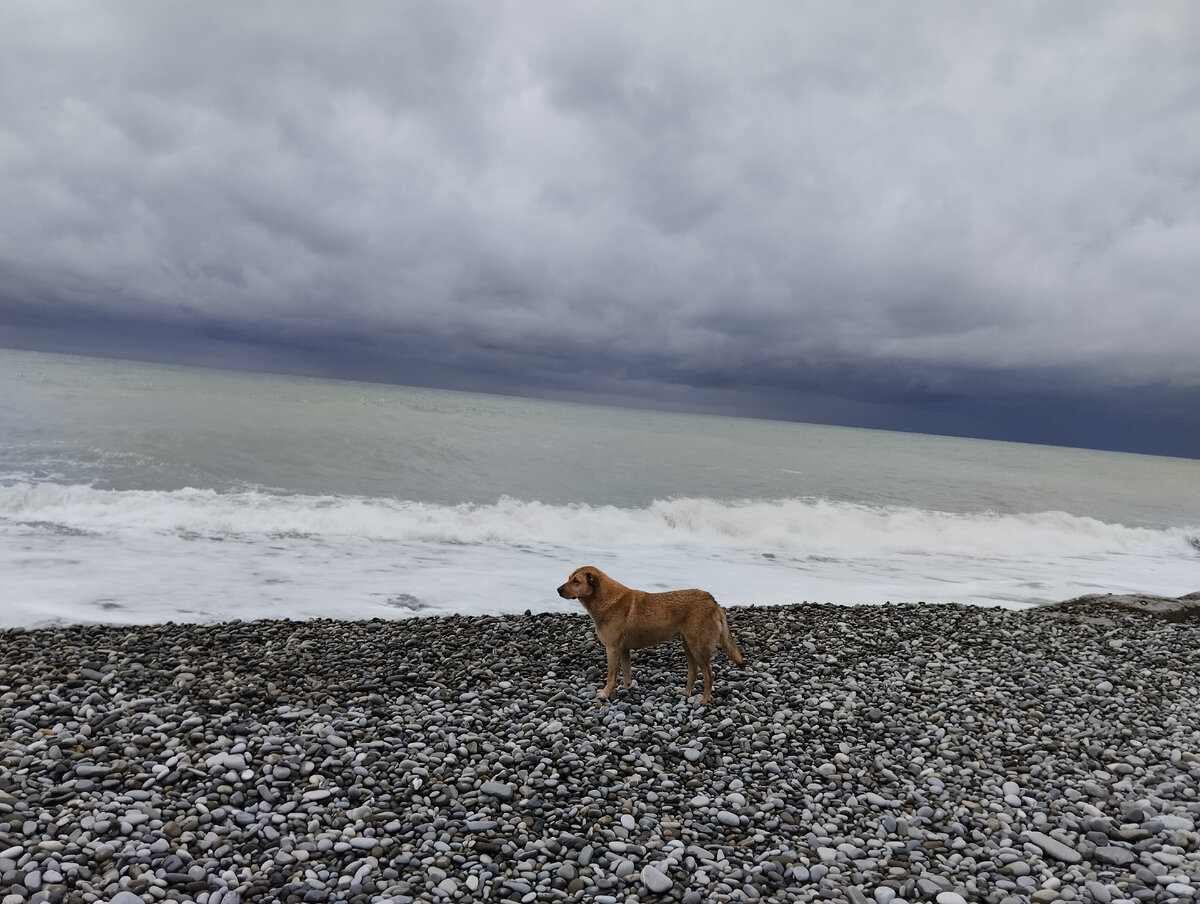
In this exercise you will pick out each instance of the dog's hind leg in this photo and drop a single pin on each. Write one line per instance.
(691, 668)
(706, 668)
(702, 652)
(728, 644)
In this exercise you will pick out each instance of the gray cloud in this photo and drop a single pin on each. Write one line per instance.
(912, 213)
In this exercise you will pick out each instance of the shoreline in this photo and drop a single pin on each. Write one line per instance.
(1182, 608)
(863, 753)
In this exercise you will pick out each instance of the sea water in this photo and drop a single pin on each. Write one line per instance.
(134, 493)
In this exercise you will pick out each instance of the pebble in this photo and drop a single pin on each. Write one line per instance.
(1054, 848)
(1114, 856)
(876, 755)
(499, 790)
(655, 880)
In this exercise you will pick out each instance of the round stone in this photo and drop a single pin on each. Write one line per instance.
(655, 880)
(950, 897)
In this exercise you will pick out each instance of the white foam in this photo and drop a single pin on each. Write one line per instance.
(800, 526)
(79, 554)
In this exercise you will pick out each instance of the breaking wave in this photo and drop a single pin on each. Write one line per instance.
(785, 526)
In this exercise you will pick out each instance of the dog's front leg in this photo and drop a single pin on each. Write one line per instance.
(614, 659)
(627, 668)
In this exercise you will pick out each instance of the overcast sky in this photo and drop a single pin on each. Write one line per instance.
(936, 216)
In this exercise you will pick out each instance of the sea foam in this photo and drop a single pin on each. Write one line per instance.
(797, 526)
(77, 553)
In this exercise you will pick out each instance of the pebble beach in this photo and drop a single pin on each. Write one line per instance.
(895, 753)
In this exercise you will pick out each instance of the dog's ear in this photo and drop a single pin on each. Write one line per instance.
(592, 580)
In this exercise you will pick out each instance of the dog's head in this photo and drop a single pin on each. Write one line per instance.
(582, 583)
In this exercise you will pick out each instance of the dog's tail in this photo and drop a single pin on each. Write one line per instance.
(728, 644)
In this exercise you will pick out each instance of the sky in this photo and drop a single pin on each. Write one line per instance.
(979, 219)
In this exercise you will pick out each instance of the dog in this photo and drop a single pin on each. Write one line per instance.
(628, 619)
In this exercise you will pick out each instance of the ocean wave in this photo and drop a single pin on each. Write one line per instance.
(802, 527)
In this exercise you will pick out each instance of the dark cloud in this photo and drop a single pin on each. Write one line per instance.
(955, 219)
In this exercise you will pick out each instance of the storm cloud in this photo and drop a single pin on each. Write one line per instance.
(978, 219)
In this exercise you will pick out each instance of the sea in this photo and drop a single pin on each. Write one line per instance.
(135, 493)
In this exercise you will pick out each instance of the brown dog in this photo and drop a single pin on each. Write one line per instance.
(632, 619)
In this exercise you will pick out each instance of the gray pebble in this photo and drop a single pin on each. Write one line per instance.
(498, 790)
(655, 880)
(951, 753)
(1054, 848)
(125, 897)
